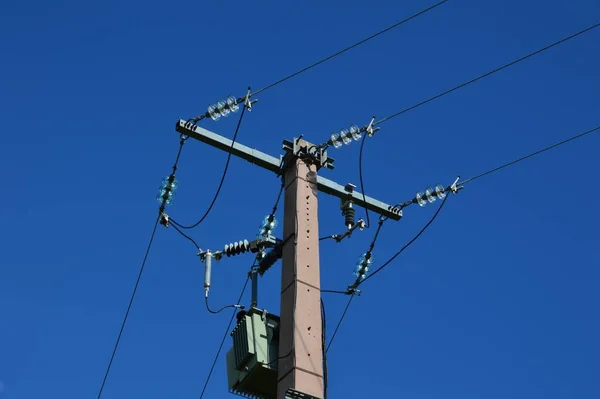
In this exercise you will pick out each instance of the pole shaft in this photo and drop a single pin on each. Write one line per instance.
(300, 342)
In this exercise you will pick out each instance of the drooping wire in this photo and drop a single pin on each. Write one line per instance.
(182, 140)
(224, 338)
(530, 155)
(360, 176)
(237, 129)
(408, 244)
(186, 236)
(493, 71)
(339, 323)
(236, 306)
(347, 48)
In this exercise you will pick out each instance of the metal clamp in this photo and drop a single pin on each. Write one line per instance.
(247, 102)
(370, 129)
(164, 219)
(454, 187)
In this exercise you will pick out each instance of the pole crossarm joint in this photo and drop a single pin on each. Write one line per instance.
(275, 165)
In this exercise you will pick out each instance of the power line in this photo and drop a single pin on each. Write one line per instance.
(379, 269)
(135, 287)
(237, 129)
(347, 48)
(224, 338)
(168, 188)
(323, 334)
(530, 155)
(246, 99)
(337, 327)
(236, 306)
(493, 71)
(360, 176)
(407, 244)
(186, 236)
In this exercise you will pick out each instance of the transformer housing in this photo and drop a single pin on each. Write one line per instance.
(252, 360)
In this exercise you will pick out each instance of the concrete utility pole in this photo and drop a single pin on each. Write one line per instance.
(300, 368)
(300, 331)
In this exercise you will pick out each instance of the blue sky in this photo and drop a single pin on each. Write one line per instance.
(498, 299)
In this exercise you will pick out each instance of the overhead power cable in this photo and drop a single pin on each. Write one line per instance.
(224, 338)
(381, 32)
(493, 71)
(323, 342)
(355, 132)
(578, 136)
(186, 236)
(142, 266)
(236, 306)
(379, 269)
(337, 327)
(135, 287)
(460, 86)
(311, 66)
(360, 176)
(408, 244)
(237, 129)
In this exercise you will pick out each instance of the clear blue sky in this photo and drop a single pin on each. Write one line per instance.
(499, 299)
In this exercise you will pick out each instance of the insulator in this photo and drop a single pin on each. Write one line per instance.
(349, 214)
(171, 182)
(355, 132)
(232, 104)
(346, 137)
(214, 114)
(420, 200)
(267, 226)
(440, 191)
(362, 265)
(236, 248)
(167, 190)
(222, 108)
(429, 194)
(336, 140)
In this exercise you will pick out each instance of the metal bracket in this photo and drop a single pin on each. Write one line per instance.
(370, 129)
(347, 202)
(454, 188)
(293, 394)
(274, 164)
(164, 219)
(315, 153)
(358, 225)
(352, 290)
(247, 102)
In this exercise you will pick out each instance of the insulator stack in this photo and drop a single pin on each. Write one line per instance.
(345, 136)
(362, 266)
(222, 108)
(267, 226)
(236, 248)
(350, 217)
(167, 190)
(430, 195)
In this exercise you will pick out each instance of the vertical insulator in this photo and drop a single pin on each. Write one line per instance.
(349, 214)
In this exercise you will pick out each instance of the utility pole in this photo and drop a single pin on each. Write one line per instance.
(300, 331)
(300, 365)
